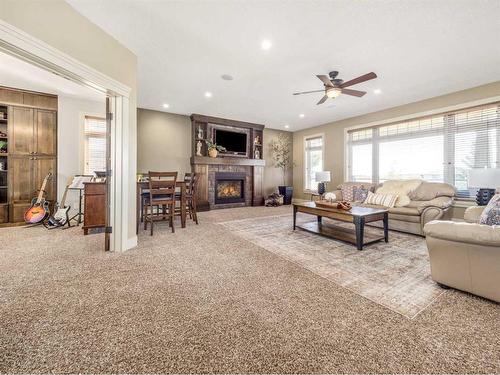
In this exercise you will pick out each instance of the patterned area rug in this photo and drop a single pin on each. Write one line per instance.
(395, 274)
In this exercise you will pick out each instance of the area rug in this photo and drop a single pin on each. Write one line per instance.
(395, 274)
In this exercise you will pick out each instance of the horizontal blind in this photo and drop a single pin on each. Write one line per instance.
(437, 148)
(473, 143)
(95, 144)
(313, 160)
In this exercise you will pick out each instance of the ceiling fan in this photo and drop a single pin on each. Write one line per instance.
(334, 86)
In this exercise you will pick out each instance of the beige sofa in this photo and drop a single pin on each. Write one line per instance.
(428, 202)
(465, 256)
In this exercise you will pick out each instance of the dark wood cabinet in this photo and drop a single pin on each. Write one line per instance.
(94, 213)
(31, 128)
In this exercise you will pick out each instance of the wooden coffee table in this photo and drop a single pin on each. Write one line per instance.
(357, 215)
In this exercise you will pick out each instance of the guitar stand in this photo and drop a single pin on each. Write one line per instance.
(79, 215)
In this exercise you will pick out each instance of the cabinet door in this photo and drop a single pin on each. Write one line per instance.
(45, 132)
(21, 178)
(42, 166)
(21, 131)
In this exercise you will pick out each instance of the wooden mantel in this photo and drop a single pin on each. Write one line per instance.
(226, 161)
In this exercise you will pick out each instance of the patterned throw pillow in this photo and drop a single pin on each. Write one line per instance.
(360, 193)
(491, 214)
(386, 200)
(347, 192)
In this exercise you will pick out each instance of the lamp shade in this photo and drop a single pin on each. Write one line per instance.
(486, 178)
(323, 176)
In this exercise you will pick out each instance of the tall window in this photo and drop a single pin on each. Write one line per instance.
(313, 151)
(95, 144)
(439, 148)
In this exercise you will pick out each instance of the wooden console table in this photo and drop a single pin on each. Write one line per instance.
(357, 215)
(94, 212)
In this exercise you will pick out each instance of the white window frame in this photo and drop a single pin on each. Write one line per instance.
(82, 151)
(448, 167)
(304, 147)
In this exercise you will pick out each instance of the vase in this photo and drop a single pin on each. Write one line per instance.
(213, 152)
(287, 193)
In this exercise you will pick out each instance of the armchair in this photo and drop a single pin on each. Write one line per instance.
(465, 255)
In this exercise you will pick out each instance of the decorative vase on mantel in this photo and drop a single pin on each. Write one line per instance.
(213, 152)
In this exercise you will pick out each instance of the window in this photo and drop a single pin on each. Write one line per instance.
(95, 144)
(313, 151)
(439, 148)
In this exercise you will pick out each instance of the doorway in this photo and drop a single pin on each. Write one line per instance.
(35, 53)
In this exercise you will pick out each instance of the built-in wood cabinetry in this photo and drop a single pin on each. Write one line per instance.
(31, 129)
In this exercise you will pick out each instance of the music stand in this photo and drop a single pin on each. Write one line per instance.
(77, 184)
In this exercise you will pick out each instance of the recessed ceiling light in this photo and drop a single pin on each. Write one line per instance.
(166, 105)
(287, 126)
(302, 115)
(266, 44)
(227, 77)
(377, 91)
(208, 94)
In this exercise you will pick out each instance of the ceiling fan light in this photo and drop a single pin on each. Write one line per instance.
(333, 92)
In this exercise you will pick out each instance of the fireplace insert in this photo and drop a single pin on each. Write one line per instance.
(229, 187)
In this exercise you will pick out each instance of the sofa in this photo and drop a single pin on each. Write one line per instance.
(465, 255)
(428, 201)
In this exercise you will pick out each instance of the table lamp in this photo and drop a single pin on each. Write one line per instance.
(323, 178)
(487, 180)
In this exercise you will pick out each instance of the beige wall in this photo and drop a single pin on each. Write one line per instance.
(164, 143)
(273, 177)
(56, 23)
(334, 132)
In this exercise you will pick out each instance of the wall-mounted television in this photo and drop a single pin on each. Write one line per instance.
(235, 143)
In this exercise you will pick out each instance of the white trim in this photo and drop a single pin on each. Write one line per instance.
(304, 172)
(26, 47)
(131, 243)
(16, 42)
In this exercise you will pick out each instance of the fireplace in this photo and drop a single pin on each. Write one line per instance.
(229, 187)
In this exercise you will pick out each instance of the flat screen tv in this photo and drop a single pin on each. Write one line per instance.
(235, 143)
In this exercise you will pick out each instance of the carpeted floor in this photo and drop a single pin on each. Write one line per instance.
(207, 300)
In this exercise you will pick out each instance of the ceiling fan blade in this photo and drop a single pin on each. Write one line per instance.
(322, 100)
(357, 93)
(325, 80)
(307, 92)
(363, 78)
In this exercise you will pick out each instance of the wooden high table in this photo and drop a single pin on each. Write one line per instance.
(144, 185)
(357, 215)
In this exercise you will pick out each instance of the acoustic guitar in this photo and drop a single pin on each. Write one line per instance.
(60, 218)
(39, 209)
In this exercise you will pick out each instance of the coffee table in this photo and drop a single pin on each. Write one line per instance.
(358, 215)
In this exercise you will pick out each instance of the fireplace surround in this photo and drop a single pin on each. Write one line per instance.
(228, 180)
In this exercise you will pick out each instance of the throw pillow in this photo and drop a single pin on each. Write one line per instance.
(491, 214)
(360, 193)
(347, 192)
(401, 188)
(386, 200)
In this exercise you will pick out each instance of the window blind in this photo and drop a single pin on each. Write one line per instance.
(439, 148)
(313, 150)
(95, 144)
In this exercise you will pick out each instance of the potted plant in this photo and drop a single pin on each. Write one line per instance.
(281, 149)
(213, 148)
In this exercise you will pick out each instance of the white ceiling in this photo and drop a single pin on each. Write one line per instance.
(419, 49)
(22, 75)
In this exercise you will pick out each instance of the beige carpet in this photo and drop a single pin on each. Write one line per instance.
(206, 300)
(395, 275)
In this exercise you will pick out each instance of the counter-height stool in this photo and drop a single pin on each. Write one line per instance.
(161, 194)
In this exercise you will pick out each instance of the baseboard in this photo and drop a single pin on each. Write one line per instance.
(131, 243)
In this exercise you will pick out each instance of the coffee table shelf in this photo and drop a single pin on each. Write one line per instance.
(357, 215)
